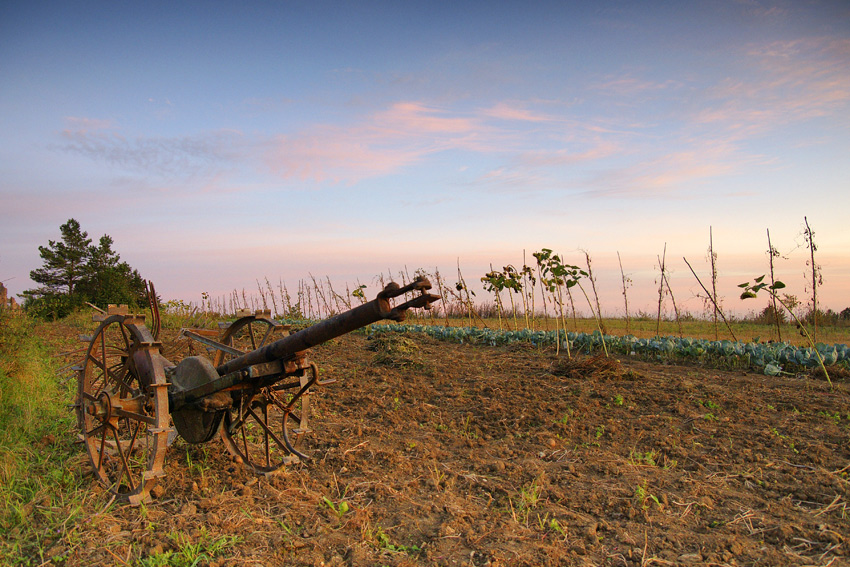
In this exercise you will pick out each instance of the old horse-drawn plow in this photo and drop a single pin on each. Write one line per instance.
(251, 391)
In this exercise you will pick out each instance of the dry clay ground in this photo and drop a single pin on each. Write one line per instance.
(431, 453)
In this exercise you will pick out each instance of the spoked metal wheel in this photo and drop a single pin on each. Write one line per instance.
(265, 428)
(247, 334)
(122, 407)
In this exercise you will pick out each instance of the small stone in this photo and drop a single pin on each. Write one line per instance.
(590, 533)
(553, 443)
(578, 547)
(53, 551)
(690, 558)
(158, 491)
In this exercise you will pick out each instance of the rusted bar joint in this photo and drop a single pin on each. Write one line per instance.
(392, 289)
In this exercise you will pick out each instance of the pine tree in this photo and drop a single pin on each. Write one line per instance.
(64, 261)
(108, 280)
(76, 272)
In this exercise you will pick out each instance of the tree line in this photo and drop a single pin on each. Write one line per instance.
(76, 272)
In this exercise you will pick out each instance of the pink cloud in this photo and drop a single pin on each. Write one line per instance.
(504, 111)
(789, 81)
(382, 144)
(414, 118)
(600, 150)
(675, 171)
(336, 155)
(406, 132)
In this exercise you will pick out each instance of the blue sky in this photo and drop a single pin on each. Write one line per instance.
(220, 143)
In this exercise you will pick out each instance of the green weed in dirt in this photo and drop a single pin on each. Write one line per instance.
(377, 538)
(339, 510)
(191, 551)
(649, 458)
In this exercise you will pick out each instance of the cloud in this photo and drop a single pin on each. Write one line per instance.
(336, 155)
(505, 111)
(512, 178)
(383, 143)
(599, 150)
(674, 173)
(787, 82)
(414, 118)
(85, 125)
(628, 85)
(527, 143)
(181, 157)
(762, 11)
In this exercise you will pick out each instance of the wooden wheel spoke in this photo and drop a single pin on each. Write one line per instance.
(120, 380)
(124, 463)
(103, 352)
(266, 335)
(104, 428)
(266, 437)
(266, 428)
(135, 416)
(95, 431)
(245, 442)
(131, 444)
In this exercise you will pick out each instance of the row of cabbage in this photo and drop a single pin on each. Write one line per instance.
(771, 358)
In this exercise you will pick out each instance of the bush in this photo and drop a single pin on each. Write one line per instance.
(52, 306)
(770, 316)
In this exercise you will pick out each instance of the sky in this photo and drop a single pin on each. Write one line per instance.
(222, 143)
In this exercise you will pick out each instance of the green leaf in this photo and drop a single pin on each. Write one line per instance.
(745, 284)
(758, 279)
(772, 370)
(748, 295)
(777, 285)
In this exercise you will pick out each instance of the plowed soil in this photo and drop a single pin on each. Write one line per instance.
(431, 453)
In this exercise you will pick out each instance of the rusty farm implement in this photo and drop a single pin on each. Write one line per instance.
(252, 391)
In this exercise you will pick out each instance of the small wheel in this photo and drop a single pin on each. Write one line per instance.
(265, 426)
(246, 334)
(259, 432)
(122, 407)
